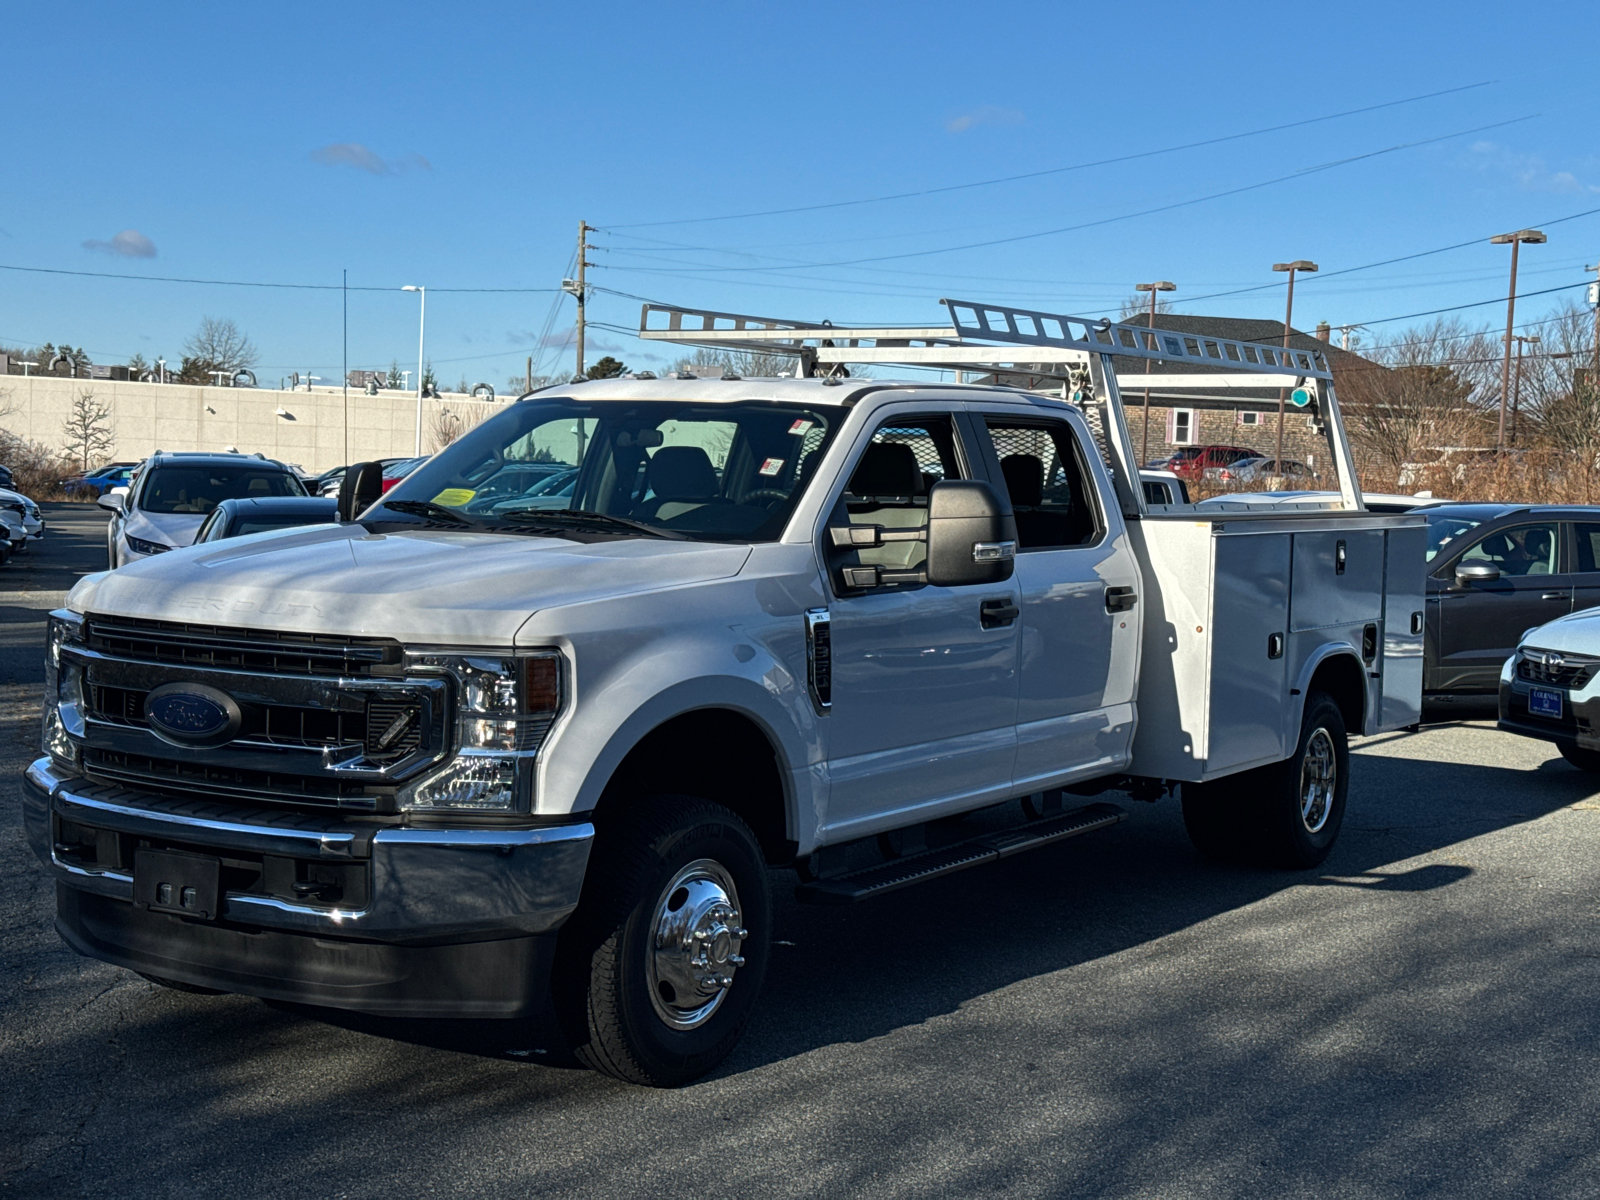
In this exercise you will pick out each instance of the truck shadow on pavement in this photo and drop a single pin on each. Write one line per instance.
(851, 974)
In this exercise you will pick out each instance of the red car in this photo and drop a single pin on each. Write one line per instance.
(1211, 458)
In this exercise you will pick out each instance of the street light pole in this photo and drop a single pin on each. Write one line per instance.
(1299, 264)
(422, 327)
(1161, 285)
(1515, 240)
(1516, 387)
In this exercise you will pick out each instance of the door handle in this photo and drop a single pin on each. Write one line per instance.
(996, 614)
(1120, 599)
(1555, 596)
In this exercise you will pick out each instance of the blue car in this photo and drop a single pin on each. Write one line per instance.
(97, 483)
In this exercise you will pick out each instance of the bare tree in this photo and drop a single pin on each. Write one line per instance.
(1429, 391)
(443, 429)
(1137, 307)
(221, 345)
(88, 429)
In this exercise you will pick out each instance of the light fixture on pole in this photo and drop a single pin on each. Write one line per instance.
(1160, 285)
(1516, 387)
(422, 327)
(1299, 264)
(1514, 240)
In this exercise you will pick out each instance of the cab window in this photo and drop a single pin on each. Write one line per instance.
(890, 484)
(1043, 469)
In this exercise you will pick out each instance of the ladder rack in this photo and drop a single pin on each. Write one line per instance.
(1075, 350)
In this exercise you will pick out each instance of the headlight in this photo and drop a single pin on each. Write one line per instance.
(63, 690)
(140, 546)
(505, 707)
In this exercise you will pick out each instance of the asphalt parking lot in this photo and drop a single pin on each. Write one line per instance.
(1111, 1016)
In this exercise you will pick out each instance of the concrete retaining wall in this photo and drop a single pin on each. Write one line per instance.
(146, 417)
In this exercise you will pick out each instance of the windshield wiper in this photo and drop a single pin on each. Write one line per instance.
(543, 516)
(427, 508)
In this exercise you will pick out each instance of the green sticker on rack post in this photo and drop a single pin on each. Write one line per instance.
(1300, 397)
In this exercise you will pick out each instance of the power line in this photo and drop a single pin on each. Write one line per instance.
(956, 187)
(309, 287)
(1302, 173)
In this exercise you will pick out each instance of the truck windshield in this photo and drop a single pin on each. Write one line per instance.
(729, 472)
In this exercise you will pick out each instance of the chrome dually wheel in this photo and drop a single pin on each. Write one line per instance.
(1319, 780)
(658, 971)
(697, 941)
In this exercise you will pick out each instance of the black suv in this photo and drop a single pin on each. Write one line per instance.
(1494, 572)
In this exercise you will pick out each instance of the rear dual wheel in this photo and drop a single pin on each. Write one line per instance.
(1287, 814)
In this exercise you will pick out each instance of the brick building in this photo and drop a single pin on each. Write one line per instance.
(1244, 417)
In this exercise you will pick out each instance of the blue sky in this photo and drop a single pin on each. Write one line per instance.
(459, 147)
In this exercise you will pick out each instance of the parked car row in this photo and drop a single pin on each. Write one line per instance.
(1234, 464)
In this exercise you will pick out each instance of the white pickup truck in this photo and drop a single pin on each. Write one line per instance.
(478, 746)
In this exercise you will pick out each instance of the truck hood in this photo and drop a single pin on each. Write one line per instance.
(1576, 633)
(422, 587)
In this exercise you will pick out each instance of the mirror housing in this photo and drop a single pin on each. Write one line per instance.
(972, 534)
(359, 490)
(113, 499)
(1470, 573)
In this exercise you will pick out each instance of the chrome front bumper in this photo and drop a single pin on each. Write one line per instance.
(424, 885)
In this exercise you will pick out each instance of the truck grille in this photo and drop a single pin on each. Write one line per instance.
(152, 774)
(325, 721)
(1556, 670)
(258, 651)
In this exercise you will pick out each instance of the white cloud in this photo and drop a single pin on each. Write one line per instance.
(1529, 170)
(130, 243)
(989, 114)
(362, 158)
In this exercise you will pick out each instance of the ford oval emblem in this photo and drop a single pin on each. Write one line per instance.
(192, 714)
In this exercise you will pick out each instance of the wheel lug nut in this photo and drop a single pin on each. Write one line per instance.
(741, 934)
(735, 960)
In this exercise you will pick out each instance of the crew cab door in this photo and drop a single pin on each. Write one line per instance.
(1080, 591)
(924, 678)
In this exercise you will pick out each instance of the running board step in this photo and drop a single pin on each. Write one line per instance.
(931, 864)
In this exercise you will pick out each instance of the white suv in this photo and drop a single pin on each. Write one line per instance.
(172, 494)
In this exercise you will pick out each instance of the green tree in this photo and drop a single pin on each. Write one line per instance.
(430, 382)
(137, 366)
(394, 379)
(607, 368)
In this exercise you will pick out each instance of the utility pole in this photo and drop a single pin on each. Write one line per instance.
(1532, 236)
(1299, 264)
(344, 287)
(1516, 387)
(529, 387)
(576, 287)
(1594, 380)
(1161, 285)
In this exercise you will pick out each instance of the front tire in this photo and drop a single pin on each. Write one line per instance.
(658, 970)
(1584, 760)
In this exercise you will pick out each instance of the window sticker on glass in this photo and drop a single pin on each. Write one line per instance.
(771, 466)
(454, 497)
(801, 426)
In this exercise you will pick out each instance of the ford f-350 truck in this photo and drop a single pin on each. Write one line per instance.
(477, 748)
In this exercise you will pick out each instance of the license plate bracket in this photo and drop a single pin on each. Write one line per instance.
(1545, 702)
(174, 881)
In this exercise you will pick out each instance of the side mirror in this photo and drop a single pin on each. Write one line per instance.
(1470, 573)
(113, 499)
(359, 490)
(972, 534)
